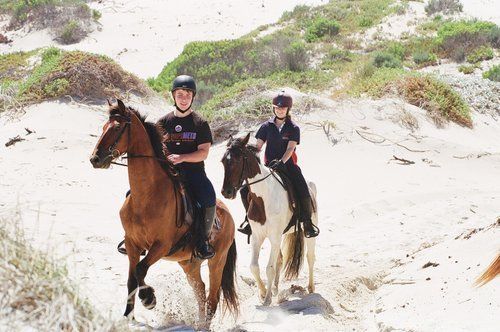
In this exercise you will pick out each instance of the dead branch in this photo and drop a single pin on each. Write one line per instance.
(14, 140)
(369, 140)
(29, 131)
(403, 161)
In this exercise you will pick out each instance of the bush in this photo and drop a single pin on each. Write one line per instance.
(424, 58)
(321, 27)
(493, 74)
(443, 6)
(466, 69)
(388, 60)
(458, 38)
(365, 22)
(397, 49)
(436, 97)
(96, 15)
(296, 56)
(71, 33)
(480, 54)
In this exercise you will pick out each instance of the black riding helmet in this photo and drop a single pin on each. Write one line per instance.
(185, 82)
(283, 99)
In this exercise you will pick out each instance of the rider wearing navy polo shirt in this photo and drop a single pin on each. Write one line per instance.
(281, 136)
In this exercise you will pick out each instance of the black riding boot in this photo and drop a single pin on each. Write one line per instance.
(245, 226)
(310, 230)
(204, 249)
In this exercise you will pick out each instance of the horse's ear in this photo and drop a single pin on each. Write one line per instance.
(246, 139)
(121, 105)
(109, 102)
(230, 140)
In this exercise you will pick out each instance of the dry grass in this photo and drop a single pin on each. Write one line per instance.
(37, 293)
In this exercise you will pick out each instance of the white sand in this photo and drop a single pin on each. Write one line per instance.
(372, 214)
(143, 35)
(380, 221)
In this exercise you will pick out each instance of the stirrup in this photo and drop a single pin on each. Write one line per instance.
(315, 231)
(210, 252)
(122, 250)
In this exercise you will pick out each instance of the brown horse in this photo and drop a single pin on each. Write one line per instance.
(151, 219)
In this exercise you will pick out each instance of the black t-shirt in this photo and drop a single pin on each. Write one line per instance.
(183, 135)
(277, 140)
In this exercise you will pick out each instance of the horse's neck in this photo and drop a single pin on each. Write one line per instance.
(261, 188)
(145, 174)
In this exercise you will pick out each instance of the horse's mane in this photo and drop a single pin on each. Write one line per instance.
(237, 145)
(155, 134)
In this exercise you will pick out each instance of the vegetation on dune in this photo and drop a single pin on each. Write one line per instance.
(36, 291)
(52, 73)
(493, 74)
(69, 20)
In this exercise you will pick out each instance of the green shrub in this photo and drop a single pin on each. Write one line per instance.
(424, 58)
(296, 56)
(466, 69)
(493, 74)
(396, 48)
(58, 87)
(375, 81)
(96, 15)
(438, 98)
(321, 27)
(388, 60)
(458, 38)
(365, 22)
(443, 6)
(70, 33)
(480, 54)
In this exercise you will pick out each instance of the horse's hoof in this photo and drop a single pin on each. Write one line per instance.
(310, 289)
(267, 302)
(275, 291)
(148, 298)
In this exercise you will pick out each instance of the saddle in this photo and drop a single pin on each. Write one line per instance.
(190, 213)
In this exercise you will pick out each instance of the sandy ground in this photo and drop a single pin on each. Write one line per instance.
(380, 221)
(143, 35)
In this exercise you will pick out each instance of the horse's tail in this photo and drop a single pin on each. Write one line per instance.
(293, 253)
(491, 272)
(228, 283)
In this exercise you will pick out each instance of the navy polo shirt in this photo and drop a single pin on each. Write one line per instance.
(277, 140)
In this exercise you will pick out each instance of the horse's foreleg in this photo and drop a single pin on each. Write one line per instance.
(254, 265)
(133, 254)
(272, 267)
(192, 270)
(311, 257)
(147, 293)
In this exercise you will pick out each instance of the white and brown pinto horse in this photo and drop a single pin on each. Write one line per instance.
(242, 167)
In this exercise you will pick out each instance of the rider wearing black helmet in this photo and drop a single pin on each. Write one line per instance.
(281, 136)
(188, 139)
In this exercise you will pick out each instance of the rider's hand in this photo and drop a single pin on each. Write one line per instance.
(175, 158)
(276, 164)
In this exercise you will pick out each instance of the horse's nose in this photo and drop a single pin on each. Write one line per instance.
(227, 193)
(94, 160)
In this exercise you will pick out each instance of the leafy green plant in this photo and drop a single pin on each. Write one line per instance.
(384, 59)
(321, 27)
(466, 69)
(480, 54)
(493, 74)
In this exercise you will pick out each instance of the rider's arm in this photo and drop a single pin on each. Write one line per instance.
(193, 157)
(259, 144)
(289, 151)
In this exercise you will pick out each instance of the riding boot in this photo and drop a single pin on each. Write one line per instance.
(310, 230)
(245, 226)
(204, 249)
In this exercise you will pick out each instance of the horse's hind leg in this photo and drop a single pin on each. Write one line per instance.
(215, 267)
(146, 293)
(271, 268)
(192, 270)
(256, 243)
(278, 271)
(133, 257)
(311, 257)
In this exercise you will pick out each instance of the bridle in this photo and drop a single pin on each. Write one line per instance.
(243, 168)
